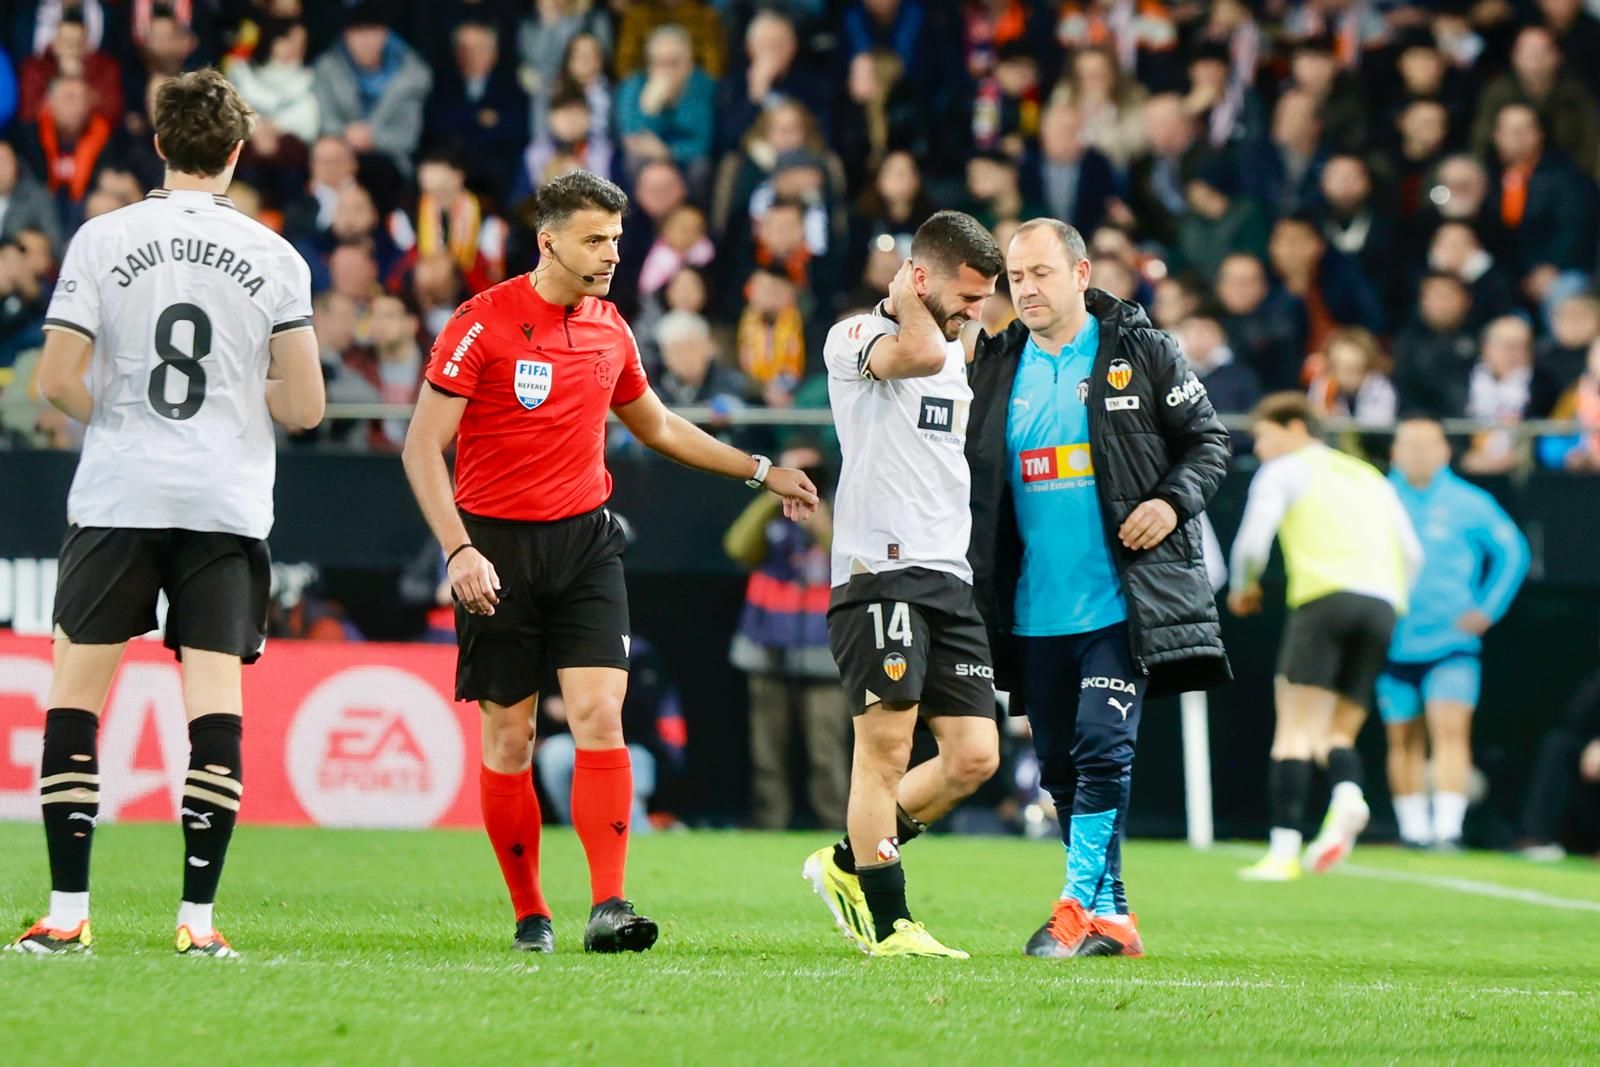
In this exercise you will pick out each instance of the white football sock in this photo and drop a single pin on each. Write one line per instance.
(1284, 844)
(1449, 812)
(197, 917)
(1347, 794)
(1411, 811)
(67, 910)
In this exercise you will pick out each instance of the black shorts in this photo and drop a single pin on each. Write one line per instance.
(563, 604)
(911, 636)
(1338, 642)
(218, 588)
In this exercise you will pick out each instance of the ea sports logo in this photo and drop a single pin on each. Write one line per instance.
(375, 747)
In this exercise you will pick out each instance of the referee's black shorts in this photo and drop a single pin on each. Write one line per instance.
(1338, 642)
(563, 604)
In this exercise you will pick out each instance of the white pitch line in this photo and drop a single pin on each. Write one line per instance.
(1470, 885)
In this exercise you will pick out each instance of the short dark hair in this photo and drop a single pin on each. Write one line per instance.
(1067, 234)
(950, 240)
(1284, 408)
(199, 117)
(579, 190)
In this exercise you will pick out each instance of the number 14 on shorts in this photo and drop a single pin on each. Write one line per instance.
(899, 623)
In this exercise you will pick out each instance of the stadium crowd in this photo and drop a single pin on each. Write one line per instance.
(1392, 206)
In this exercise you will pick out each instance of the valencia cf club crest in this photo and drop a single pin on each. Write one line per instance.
(532, 383)
(1119, 374)
(1083, 391)
(894, 665)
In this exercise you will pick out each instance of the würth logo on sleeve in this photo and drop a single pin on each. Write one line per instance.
(1119, 374)
(532, 382)
(453, 366)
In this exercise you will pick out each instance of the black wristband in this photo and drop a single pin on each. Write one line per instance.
(459, 549)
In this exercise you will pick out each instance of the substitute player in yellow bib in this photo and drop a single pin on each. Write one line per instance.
(1352, 557)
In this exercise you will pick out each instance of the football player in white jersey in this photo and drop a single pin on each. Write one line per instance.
(902, 622)
(179, 329)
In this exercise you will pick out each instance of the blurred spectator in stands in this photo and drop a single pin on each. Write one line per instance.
(1116, 278)
(772, 71)
(1005, 106)
(1565, 353)
(658, 189)
(24, 203)
(771, 339)
(65, 145)
(1217, 223)
(1067, 179)
(1178, 297)
(668, 111)
(569, 131)
(1141, 36)
(1224, 108)
(691, 373)
(883, 259)
(880, 115)
(583, 71)
(1456, 250)
(918, 33)
(436, 291)
(22, 304)
(987, 27)
(780, 245)
(1435, 353)
(447, 217)
(1354, 224)
(1341, 112)
(699, 20)
(653, 723)
(333, 169)
(1156, 181)
(681, 242)
(353, 274)
(1537, 80)
(333, 317)
(1110, 103)
(1422, 129)
(1265, 323)
(1501, 389)
(1284, 172)
(1427, 77)
(396, 369)
(1327, 281)
(994, 190)
(1546, 206)
(38, 254)
(545, 38)
(785, 136)
(478, 109)
(355, 222)
(164, 43)
(893, 206)
(371, 87)
(1584, 401)
(278, 85)
(1562, 808)
(1577, 34)
(807, 179)
(69, 54)
(782, 646)
(1344, 30)
(1232, 386)
(687, 290)
(134, 140)
(1354, 381)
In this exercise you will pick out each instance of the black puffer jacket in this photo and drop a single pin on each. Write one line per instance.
(1158, 438)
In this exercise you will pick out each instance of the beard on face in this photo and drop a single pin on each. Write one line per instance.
(945, 319)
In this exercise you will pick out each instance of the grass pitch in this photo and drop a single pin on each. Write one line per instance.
(392, 948)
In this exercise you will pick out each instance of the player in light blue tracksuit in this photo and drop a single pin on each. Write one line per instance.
(1475, 559)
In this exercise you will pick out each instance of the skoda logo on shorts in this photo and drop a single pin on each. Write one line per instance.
(894, 665)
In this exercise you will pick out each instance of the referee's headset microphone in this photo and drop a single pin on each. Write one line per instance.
(550, 250)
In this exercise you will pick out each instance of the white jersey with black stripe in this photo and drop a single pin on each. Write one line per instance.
(181, 295)
(905, 489)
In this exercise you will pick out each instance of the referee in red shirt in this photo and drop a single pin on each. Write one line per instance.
(523, 377)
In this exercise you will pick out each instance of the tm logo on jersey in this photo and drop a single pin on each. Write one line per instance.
(1070, 466)
(532, 383)
(944, 415)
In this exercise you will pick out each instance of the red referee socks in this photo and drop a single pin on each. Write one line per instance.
(511, 815)
(602, 800)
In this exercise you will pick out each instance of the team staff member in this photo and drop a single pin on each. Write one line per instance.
(1474, 561)
(1352, 556)
(524, 375)
(1094, 451)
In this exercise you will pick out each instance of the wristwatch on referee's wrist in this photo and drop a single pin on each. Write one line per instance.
(759, 478)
